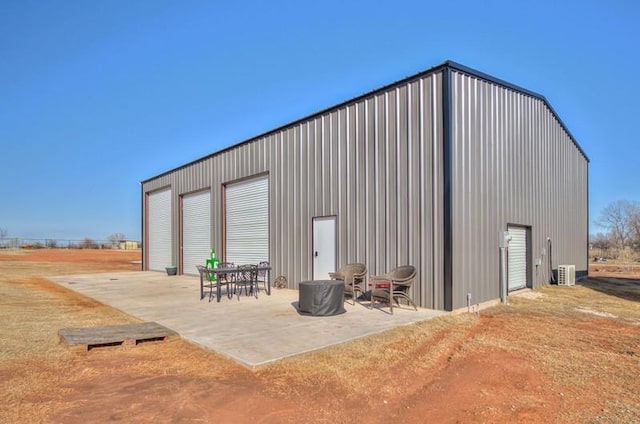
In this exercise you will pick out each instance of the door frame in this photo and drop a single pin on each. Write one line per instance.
(334, 218)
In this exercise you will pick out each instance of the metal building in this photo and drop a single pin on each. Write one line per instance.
(428, 171)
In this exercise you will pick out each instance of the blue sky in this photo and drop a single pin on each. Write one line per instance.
(98, 96)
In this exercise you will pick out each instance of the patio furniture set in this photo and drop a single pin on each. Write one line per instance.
(235, 279)
(389, 288)
(319, 297)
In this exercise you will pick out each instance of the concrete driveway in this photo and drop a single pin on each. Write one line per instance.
(253, 332)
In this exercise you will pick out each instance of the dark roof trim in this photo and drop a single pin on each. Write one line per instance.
(447, 178)
(448, 65)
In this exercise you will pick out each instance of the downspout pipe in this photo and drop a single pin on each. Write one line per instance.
(447, 140)
(503, 275)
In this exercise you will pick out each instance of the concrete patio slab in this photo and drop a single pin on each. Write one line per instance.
(252, 331)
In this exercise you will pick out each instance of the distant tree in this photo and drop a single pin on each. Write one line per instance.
(634, 224)
(615, 218)
(116, 239)
(52, 243)
(88, 243)
(3, 233)
(601, 241)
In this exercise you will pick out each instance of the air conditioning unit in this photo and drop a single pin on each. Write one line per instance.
(566, 275)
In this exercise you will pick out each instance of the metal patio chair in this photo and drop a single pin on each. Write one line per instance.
(226, 277)
(205, 281)
(246, 278)
(262, 275)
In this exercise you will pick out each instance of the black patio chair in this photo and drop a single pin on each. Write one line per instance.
(246, 279)
(226, 278)
(205, 281)
(262, 275)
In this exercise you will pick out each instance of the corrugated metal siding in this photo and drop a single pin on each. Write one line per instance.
(375, 163)
(512, 163)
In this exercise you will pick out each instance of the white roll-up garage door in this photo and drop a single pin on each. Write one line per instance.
(517, 258)
(196, 230)
(159, 230)
(247, 221)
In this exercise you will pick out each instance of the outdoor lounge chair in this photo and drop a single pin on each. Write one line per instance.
(353, 276)
(393, 286)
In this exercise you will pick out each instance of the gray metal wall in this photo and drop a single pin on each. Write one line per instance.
(512, 163)
(375, 163)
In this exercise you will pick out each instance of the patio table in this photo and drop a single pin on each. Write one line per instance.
(237, 270)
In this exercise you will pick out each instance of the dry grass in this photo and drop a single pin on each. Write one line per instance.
(575, 351)
(576, 366)
(420, 345)
(32, 360)
(581, 351)
(38, 371)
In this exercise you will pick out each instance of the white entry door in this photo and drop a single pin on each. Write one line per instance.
(324, 247)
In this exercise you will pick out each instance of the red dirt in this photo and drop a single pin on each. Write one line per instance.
(488, 387)
(166, 398)
(107, 259)
(177, 382)
(495, 387)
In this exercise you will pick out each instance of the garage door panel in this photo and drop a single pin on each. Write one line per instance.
(247, 221)
(196, 230)
(517, 253)
(159, 227)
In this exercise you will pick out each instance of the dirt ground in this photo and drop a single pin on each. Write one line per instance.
(560, 354)
(615, 270)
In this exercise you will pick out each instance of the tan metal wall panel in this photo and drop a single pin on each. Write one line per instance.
(375, 163)
(512, 163)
